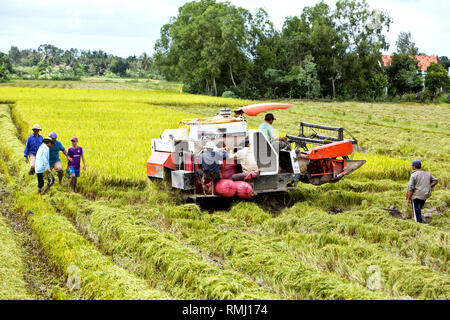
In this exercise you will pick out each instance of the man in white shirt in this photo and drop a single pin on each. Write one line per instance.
(247, 160)
(43, 165)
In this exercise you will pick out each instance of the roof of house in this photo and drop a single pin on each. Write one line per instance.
(424, 61)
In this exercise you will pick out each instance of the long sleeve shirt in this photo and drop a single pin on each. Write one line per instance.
(42, 159)
(420, 184)
(32, 145)
(210, 160)
(267, 129)
(247, 160)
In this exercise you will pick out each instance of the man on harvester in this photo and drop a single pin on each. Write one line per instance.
(267, 128)
(247, 160)
(210, 161)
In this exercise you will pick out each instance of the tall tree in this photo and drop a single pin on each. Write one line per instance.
(363, 29)
(436, 78)
(405, 44)
(403, 75)
(205, 39)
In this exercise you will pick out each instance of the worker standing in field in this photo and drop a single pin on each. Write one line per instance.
(76, 154)
(55, 161)
(32, 145)
(420, 186)
(43, 165)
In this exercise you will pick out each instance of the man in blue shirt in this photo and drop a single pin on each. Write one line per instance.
(210, 161)
(43, 165)
(55, 161)
(267, 128)
(31, 147)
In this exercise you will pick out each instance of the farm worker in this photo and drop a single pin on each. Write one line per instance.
(55, 162)
(248, 163)
(32, 145)
(210, 161)
(420, 186)
(43, 165)
(75, 153)
(267, 128)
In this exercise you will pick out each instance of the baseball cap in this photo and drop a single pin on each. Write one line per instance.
(74, 139)
(269, 117)
(416, 163)
(46, 140)
(53, 135)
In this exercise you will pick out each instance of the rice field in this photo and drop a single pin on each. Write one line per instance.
(129, 238)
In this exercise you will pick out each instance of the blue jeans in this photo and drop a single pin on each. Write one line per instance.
(417, 205)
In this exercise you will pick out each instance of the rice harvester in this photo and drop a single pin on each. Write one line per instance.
(318, 154)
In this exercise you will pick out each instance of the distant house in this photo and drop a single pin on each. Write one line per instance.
(424, 63)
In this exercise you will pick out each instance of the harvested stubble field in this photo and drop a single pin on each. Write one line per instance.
(133, 239)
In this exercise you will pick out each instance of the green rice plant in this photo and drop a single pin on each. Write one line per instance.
(99, 277)
(120, 231)
(12, 269)
(382, 167)
(342, 255)
(260, 258)
(428, 247)
(115, 151)
(159, 97)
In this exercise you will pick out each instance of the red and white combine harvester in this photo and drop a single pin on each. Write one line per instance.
(175, 155)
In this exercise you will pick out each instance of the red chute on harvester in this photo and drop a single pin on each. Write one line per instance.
(255, 109)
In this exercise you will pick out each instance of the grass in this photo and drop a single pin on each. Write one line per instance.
(12, 269)
(186, 272)
(245, 252)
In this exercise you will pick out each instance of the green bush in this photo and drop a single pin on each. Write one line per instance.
(409, 97)
(228, 94)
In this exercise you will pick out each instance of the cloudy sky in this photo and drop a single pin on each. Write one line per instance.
(131, 27)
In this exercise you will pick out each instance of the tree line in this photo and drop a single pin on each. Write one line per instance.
(217, 48)
(51, 62)
(220, 49)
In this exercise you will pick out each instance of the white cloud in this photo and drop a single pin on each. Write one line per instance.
(74, 20)
(132, 26)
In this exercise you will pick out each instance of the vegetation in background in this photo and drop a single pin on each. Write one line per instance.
(239, 50)
(216, 47)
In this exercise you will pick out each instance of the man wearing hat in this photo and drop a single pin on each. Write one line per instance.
(210, 161)
(419, 189)
(76, 154)
(55, 161)
(267, 128)
(32, 145)
(43, 165)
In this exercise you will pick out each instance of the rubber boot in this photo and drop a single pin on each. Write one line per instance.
(73, 184)
(60, 176)
(45, 189)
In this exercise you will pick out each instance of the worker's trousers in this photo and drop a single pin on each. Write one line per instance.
(417, 205)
